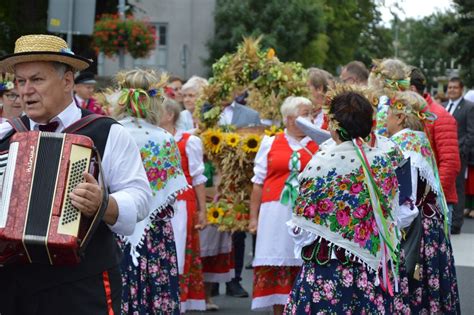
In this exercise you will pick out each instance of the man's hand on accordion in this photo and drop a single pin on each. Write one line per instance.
(87, 197)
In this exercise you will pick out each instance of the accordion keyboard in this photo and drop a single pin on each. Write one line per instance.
(70, 216)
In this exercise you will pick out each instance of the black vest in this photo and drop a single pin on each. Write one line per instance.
(102, 252)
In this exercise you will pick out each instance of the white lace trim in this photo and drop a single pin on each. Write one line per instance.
(265, 303)
(276, 262)
(193, 305)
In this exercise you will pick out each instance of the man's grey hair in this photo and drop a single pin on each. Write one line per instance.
(61, 68)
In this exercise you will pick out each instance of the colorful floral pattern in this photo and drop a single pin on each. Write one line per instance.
(437, 290)
(342, 203)
(152, 287)
(270, 280)
(337, 289)
(410, 141)
(162, 162)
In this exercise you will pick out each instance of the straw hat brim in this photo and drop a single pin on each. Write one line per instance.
(78, 63)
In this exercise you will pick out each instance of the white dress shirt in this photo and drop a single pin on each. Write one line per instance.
(452, 105)
(122, 166)
(227, 115)
(195, 154)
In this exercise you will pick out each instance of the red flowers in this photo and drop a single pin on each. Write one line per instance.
(112, 33)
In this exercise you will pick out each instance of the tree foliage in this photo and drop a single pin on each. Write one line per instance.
(464, 46)
(426, 43)
(323, 33)
(291, 27)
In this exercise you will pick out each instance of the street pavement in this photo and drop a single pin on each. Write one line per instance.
(463, 248)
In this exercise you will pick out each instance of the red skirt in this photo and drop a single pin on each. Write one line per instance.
(470, 181)
(191, 282)
(272, 285)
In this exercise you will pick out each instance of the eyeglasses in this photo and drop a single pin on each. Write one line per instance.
(12, 96)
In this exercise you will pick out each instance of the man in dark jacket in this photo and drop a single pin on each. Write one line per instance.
(463, 111)
(443, 135)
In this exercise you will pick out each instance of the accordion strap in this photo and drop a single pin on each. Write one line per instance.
(101, 211)
(18, 125)
(81, 123)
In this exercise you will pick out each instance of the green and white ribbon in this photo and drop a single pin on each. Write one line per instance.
(290, 191)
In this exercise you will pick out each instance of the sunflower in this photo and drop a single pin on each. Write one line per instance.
(273, 130)
(213, 139)
(214, 214)
(251, 143)
(232, 139)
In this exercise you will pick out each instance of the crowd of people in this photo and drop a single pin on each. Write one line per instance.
(357, 224)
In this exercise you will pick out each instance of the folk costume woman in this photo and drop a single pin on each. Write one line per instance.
(433, 286)
(343, 220)
(149, 266)
(278, 162)
(190, 214)
(387, 76)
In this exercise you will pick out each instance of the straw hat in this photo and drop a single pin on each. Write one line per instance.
(30, 48)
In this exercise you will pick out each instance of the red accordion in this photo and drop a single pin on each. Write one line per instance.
(38, 223)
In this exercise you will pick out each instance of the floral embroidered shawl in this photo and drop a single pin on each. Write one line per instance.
(162, 162)
(416, 146)
(334, 202)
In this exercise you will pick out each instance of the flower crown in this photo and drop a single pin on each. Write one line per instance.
(7, 82)
(407, 108)
(137, 101)
(339, 89)
(394, 85)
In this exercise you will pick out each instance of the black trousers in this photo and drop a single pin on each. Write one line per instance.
(82, 297)
(458, 213)
(238, 242)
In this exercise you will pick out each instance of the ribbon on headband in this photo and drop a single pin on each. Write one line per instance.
(398, 85)
(137, 101)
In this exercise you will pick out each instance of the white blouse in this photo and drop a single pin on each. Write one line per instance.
(261, 159)
(194, 151)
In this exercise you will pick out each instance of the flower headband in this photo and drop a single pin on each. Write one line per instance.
(423, 114)
(394, 85)
(137, 101)
(7, 82)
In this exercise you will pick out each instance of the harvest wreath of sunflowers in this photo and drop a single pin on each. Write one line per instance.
(268, 82)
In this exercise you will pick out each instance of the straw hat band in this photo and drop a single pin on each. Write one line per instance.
(40, 43)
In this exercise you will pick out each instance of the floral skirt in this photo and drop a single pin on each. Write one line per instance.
(191, 282)
(272, 284)
(437, 289)
(337, 289)
(152, 287)
(218, 268)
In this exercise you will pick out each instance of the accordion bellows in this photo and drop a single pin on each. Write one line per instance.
(38, 223)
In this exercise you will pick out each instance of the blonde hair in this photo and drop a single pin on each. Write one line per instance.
(412, 105)
(386, 75)
(172, 107)
(290, 106)
(149, 85)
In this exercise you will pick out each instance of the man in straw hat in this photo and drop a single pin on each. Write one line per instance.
(44, 68)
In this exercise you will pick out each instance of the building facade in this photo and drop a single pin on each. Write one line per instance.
(183, 28)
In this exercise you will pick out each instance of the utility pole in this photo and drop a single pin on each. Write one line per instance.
(121, 11)
(70, 23)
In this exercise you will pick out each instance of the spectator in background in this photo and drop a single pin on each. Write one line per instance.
(463, 111)
(319, 81)
(173, 89)
(355, 72)
(9, 98)
(443, 135)
(84, 86)
(190, 91)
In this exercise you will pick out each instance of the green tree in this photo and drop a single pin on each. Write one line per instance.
(351, 24)
(294, 28)
(464, 44)
(426, 43)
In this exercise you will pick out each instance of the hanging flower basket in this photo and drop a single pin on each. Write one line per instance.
(111, 33)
